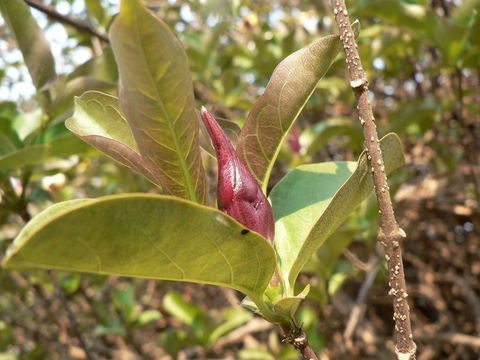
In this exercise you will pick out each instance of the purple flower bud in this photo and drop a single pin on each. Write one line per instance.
(238, 193)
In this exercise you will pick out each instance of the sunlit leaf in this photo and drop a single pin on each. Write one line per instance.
(288, 305)
(183, 311)
(313, 200)
(63, 102)
(148, 316)
(157, 98)
(147, 236)
(97, 120)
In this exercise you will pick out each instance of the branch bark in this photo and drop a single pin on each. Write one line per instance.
(390, 234)
(80, 25)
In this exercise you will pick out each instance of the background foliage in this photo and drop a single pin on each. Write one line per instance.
(422, 59)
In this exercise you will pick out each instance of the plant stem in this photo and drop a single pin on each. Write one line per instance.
(299, 340)
(79, 25)
(390, 234)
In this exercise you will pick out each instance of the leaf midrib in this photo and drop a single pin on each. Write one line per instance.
(183, 165)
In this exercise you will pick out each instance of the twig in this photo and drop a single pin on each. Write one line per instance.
(359, 264)
(453, 338)
(253, 326)
(358, 309)
(71, 316)
(299, 340)
(80, 25)
(390, 234)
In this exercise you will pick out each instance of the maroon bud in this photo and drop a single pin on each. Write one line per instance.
(238, 193)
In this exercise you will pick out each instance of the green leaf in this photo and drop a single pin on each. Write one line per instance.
(325, 130)
(98, 114)
(9, 140)
(451, 39)
(402, 13)
(417, 112)
(254, 354)
(65, 145)
(61, 146)
(102, 67)
(27, 124)
(111, 329)
(157, 99)
(147, 317)
(97, 120)
(234, 317)
(183, 311)
(287, 306)
(124, 300)
(271, 117)
(147, 236)
(31, 41)
(462, 14)
(328, 254)
(30, 155)
(95, 8)
(313, 200)
(64, 101)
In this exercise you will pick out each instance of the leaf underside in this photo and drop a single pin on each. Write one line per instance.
(271, 117)
(97, 121)
(156, 97)
(147, 236)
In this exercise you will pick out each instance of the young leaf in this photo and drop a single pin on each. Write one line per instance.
(148, 236)
(272, 115)
(157, 98)
(31, 41)
(68, 90)
(97, 121)
(313, 200)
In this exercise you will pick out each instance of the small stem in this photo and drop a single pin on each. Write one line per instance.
(358, 309)
(71, 317)
(299, 340)
(390, 234)
(79, 25)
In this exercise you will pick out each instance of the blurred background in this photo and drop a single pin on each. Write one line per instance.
(422, 58)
